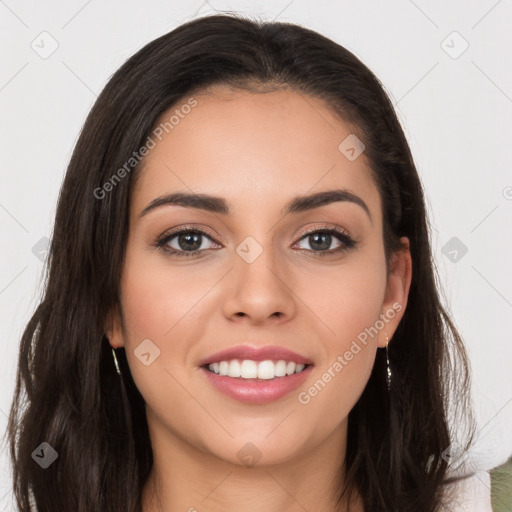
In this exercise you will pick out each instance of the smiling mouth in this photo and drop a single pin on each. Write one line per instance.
(248, 369)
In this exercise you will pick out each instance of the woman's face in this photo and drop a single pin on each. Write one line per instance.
(258, 277)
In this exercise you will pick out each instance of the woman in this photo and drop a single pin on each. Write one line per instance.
(241, 307)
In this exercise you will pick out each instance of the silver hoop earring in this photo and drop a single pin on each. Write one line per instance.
(116, 364)
(388, 367)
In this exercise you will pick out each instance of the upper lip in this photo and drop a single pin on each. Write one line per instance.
(269, 352)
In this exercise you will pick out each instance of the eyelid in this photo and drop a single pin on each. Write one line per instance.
(179, 229)
(210, 233)
(337, 231)
(314, 229)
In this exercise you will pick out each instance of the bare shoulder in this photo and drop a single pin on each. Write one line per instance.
(471, 494)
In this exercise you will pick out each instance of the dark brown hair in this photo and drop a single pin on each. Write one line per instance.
(67, 391)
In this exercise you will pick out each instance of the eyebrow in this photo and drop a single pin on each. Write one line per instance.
(219, 205)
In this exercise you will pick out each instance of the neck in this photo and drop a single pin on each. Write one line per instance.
(185, 478)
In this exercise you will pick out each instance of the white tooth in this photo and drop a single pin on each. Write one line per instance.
(234, 368)
(280, 368)
(290, 368)
(266, 370)
(223, 367)
(248, 369)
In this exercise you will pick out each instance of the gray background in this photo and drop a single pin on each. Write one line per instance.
(455, 105)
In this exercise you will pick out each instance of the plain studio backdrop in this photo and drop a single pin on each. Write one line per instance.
(446, 66)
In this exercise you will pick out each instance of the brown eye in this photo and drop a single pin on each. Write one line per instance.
(321, 241)
(186, 242)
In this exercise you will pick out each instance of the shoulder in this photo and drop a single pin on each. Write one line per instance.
(471, 494)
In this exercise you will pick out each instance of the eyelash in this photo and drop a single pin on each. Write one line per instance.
(345, 239)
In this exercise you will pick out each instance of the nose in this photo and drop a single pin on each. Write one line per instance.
(260, 290)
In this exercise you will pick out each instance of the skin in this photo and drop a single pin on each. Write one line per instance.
(258, 151)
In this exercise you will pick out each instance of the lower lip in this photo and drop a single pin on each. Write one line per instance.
(255, 391)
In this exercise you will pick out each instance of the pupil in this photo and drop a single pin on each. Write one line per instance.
(193, 241)
(190, 238)
(326, 238)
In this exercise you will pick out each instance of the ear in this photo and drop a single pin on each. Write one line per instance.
(114, 328)
(397, 291)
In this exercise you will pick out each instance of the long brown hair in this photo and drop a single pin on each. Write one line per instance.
(68, 393)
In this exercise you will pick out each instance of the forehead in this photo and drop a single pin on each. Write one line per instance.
(264, 146)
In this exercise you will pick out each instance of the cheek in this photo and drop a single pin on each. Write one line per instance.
(348, 299)
(159, 304)
(158, 298)
(349, 304)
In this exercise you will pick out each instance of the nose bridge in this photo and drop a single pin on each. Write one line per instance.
(258, 243)
(260, 288)
(256, 261)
